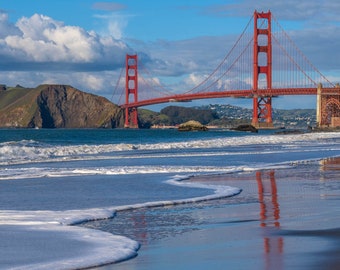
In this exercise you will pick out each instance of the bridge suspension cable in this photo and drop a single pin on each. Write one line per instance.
(291, 68)
(116, 91)
(152, 82)
(214, 77)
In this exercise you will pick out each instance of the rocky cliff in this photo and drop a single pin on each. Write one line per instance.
(57, 106)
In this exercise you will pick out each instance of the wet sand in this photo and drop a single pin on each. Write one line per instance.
(283, 219)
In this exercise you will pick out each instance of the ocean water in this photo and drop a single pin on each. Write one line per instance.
(66, 177)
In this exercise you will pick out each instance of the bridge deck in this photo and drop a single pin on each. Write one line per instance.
(229, 93)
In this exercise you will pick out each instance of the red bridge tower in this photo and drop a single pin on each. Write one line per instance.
(131, 88)
(262, 105)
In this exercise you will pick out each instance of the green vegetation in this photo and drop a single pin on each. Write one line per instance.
(178, 115)
(173, 115)
(18, 105)
(148, 118)
(226, 116)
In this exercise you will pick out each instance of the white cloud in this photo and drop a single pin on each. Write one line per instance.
(40, 39)
(116, 27)
(101, 83)
(34, 26)
(194, 79)
(95, 82)
(7, 28)
(113, 24)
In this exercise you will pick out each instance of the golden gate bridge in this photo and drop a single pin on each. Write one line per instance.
(263, 63)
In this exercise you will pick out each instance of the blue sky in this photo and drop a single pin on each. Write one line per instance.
(84, 42)
(145, 20)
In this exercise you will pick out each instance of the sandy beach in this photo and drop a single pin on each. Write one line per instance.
(283, 219)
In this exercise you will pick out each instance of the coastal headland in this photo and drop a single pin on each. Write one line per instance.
(56, 106)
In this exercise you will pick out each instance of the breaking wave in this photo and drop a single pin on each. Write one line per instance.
(29, 151)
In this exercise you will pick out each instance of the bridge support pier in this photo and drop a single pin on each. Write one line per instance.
(328, 107)
(262, 105)
(131, 118)
(131, 89)
(262, 110)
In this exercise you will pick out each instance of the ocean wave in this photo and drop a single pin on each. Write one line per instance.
(26, 151)
(31, 151)
(43, 172)
(48, 172)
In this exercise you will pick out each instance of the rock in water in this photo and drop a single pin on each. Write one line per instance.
(192, 126)
(248, 128)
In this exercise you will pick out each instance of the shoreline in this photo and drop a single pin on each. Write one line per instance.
(283, 228)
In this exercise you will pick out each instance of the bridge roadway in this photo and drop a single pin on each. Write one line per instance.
(230, 93)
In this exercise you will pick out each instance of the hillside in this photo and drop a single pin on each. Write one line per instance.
(227, 116)
(295, 118)
(56, 106)
(175, 115)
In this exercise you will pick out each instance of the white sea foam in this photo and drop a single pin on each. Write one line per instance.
(41, 172)
(14, 172)
(46, 172)
(96, 248)
(31, 228)
(31, 151)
